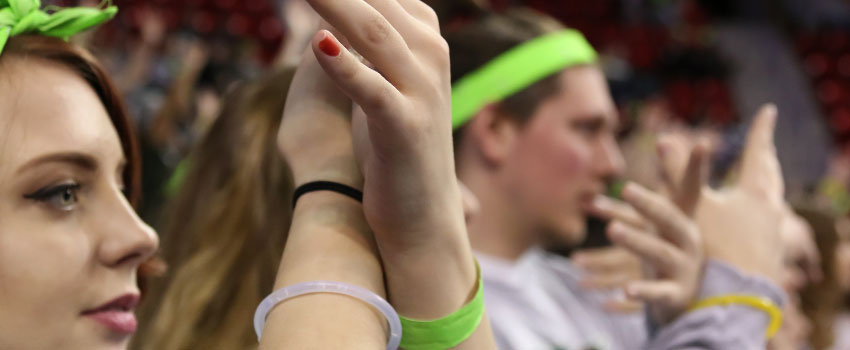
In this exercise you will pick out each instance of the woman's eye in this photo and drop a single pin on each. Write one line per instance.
(62, 197)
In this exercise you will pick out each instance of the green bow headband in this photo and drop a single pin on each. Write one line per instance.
(26, 17)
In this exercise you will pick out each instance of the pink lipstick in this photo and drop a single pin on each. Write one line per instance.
(117, 315)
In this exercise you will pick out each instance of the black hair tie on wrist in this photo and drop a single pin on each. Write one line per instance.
(326, 186)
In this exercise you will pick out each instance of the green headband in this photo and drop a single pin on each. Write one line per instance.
(516, 69)
(26, 17)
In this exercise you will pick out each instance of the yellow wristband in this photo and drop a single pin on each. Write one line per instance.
(756, 302)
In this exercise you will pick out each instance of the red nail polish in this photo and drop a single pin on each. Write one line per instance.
(329, 46)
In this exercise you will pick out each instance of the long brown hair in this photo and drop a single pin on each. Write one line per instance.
(822, 301)
(81, 62)
(225, 229)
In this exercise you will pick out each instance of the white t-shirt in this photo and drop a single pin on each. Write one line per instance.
(536, 303)
(840, 328)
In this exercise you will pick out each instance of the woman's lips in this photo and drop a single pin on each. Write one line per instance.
(117, 321)
(117, 315)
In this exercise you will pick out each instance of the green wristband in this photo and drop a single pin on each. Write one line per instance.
(448, 331)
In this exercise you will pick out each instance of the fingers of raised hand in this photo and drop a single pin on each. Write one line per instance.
(608, 268)
(623, 306)
(366, 87)
(607, 259)
(423, 12)
(659, 292)
(371, 34)
(672, 149)
(612, 209)
(760, 135)
(684, 169)
(415, 21)
(688, 195)
(312, 98)
(760, 170)
(315, 133)
(419, 27)
(384, 33)
(608, 280)
(672, 224)
(651, 248)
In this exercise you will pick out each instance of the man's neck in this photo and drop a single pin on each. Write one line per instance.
(498, 229)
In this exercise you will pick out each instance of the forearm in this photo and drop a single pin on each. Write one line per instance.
(328, 240)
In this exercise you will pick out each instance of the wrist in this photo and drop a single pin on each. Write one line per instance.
(341, 175)
(429, 282)
(330, 240)
(322, 209)
(767, 266)
(427, 235)
(414, 222)
(722, 278)
(332, 161)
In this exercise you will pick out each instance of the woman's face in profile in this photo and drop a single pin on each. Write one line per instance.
(70, 243)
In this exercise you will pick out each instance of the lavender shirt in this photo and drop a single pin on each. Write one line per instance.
(536, 303)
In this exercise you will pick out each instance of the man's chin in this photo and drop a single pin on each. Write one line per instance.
(566, 237)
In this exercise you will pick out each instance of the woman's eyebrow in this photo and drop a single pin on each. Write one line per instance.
(79, 160)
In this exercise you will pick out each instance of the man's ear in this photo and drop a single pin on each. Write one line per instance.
(492, 133)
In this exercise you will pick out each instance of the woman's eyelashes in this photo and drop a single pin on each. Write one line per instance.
(63, 197)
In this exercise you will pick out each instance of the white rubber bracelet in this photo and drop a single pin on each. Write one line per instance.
(330, 287)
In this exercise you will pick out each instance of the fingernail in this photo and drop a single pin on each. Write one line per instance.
(615, 231)
(599, 201)
(662, 147)
(628, 191)
(329, 46)
(770, 108)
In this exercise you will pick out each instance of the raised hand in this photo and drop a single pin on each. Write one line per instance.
(405, 136)
(153, 28)
(740, 223)
(315, 133)
(403, 140)
(662, 233)
(403, 143)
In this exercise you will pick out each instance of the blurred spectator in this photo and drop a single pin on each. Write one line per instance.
(224, 230)
(823, 301)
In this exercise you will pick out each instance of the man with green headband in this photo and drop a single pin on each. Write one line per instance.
(535, 141)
